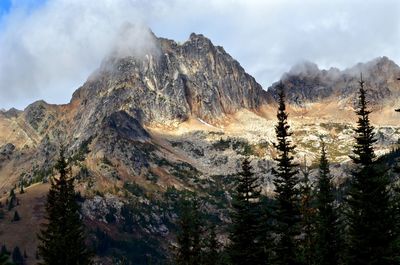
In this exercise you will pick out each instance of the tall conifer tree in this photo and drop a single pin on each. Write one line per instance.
(244, 234)
(62, 240)
(212, 254)
(326, 219)
(370, 217)
(287, 192)
(17, 257)
(189, 250)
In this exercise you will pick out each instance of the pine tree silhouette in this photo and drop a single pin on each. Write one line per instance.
(62, 239)
(189, 250)
(5, 259)
(327, 230)
(244, 234)
(287, 193)
(17, 257)
(212, 246)
(16, 217)
(370, 217)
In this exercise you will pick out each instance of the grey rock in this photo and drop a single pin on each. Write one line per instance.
(305, 82)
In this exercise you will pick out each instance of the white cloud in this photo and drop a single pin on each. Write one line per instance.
(49, 52)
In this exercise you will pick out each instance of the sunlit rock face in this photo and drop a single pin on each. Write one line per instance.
(172, 83)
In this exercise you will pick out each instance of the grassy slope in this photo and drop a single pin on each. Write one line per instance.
(23, 233)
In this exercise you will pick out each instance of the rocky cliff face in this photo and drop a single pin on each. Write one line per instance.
(171, 84)
(306, 83)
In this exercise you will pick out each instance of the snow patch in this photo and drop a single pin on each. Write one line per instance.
(200, 120)
(207, 124)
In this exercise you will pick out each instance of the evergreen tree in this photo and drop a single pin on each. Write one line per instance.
(244, 235)
(287, 193)
(5, 259)
(327, 252)
(16, 217)
(307, 211)
(266, 230)
(12, 200)
(370, 218)
(4, 250)
(12, 193)
(189, 250)
(212, 253)
(62, 240)
(17, 257)
(365, 138)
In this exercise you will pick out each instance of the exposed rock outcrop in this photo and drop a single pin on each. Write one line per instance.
(306, 83)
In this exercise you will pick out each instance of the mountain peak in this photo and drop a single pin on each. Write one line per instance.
(194, 37)
(304, 68)
(193, 79)
(305, 82)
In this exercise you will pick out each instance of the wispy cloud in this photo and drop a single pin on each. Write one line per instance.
(49, 51)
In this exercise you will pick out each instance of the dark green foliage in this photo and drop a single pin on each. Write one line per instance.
(102, 243)
(127, 212)
(83, 150)
(363, 149)
(189, 250)
(12, 200)
(41, 175)
(132, 250)
(266, 230)
(134, 189)
(239, 145)
(62, 239)
(287, 193)
(242, 147)
(16, 217)
(4, 250)
(17, 257)
(106, 161)
(83, 174)
(222, 144)
(246, 220)
(212, 255)
(307, 211)
(152, 177)
(2, 213)
(370, 217)
(5, 258)
(327, 243)
(184, 171)
(12, 193)
(110, 216)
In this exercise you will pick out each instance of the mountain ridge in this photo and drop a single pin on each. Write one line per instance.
(306, 83)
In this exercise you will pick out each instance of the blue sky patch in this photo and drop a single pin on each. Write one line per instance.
(5, 6)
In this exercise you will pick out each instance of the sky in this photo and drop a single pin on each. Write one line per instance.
(48, 48)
